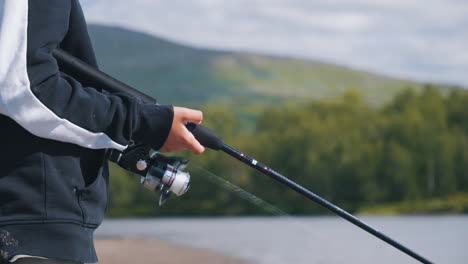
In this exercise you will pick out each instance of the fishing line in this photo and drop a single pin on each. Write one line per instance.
(300, 225)
(195, 170)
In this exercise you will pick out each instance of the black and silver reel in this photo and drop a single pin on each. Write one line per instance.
(158, 173)
(165, 175)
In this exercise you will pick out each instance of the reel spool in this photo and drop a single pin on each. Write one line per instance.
(158, 173)
(167, 178)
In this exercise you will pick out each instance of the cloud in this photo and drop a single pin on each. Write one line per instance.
(414, 39)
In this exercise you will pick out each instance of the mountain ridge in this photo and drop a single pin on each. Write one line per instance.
(177, 73)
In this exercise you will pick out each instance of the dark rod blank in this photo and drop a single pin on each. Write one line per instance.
(312, 196)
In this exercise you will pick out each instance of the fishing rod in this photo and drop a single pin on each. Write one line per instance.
(211, 140)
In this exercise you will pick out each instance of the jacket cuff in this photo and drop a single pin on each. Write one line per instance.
(155, 123)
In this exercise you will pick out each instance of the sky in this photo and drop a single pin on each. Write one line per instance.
(422, 40)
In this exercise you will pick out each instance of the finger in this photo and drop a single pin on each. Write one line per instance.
(190, 115)
(198, 149)
(194, 145)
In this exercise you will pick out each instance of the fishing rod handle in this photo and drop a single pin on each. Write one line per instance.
(205, 136)
(92, 76)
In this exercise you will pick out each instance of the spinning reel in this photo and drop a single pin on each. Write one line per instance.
(158, 173)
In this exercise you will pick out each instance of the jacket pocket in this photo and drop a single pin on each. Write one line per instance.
(63, 175)
(92, 198)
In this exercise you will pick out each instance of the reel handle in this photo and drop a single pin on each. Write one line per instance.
(134, 159)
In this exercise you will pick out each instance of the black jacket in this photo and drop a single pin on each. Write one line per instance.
(54, 132)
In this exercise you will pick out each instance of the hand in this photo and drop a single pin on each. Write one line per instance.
(179, 137)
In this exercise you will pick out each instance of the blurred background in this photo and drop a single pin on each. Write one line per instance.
(363, 102)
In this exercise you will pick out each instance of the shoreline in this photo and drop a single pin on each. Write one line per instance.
(124, 250)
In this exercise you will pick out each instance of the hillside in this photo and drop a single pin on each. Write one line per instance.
(411, 153)
(175, 73)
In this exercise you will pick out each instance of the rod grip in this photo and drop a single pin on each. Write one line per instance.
(205, 136)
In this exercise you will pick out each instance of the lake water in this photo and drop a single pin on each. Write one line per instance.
(307, 240)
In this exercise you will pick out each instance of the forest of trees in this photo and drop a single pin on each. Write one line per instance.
(412, 150)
